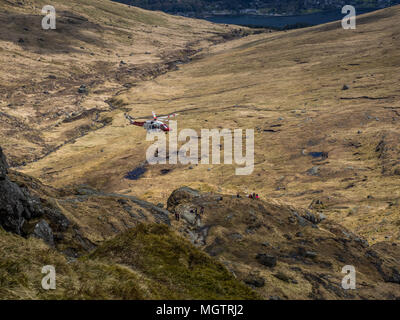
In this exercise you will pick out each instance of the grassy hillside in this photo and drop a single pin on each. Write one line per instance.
(286, 252)
(323, 102)
(104, 46)
(148, 262)
(288, 87)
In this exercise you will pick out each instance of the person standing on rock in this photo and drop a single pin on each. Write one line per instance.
(201, 211)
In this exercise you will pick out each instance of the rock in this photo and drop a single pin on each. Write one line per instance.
(391, 275)
(311, 254)
(306, 253)
(254, 281)
(3, 165)
(345, 87)
(190, 217)
(313, 171)
(266, 260)
(314, 218)
(302, 222)
(82, 89)
(283, 277)
(236, 236)
(216, 248)
(15, 204)
(184, 193)
(57, 219)
(17, 207)
(43, 231)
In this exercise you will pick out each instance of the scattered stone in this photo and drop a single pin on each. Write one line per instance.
(313, 171)
(255, 281)
(236, 236)
(283, 277)
(266, 260)
(82, 89)
(306, 253)
(43, 231)
(345, 87)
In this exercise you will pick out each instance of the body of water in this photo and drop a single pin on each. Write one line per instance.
(283, 21)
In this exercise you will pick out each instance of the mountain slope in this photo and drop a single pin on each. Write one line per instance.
(99, 252)
(286, 252)
(103, 276)
(57, 85)
(323, 102)
(288, 87)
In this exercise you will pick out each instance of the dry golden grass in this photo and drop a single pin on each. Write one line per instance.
(40, 107)
(107, 275)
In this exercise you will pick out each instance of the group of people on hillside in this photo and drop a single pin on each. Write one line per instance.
(254, 196)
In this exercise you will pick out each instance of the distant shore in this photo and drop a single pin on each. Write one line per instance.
(283, 21)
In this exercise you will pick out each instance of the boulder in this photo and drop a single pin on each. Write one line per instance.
(16, 206)
(313, 171)
(3, 165)
(254, 281)
(179, 195)
(266, 260)
(43, 231)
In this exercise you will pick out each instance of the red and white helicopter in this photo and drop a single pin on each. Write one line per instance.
(157, 124)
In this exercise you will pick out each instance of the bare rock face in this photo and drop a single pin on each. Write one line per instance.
(16, 206)
(261, 241)
(180, 195)
(3, 165)
(43, 231)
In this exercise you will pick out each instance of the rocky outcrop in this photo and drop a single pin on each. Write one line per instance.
(180, 195)
(16, 206)
(286, 247)
(3, 165)
(24, 214)
(388, 151)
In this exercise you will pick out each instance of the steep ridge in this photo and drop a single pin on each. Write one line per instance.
(285, 252)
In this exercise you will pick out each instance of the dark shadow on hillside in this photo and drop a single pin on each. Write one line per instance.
(27, 32)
